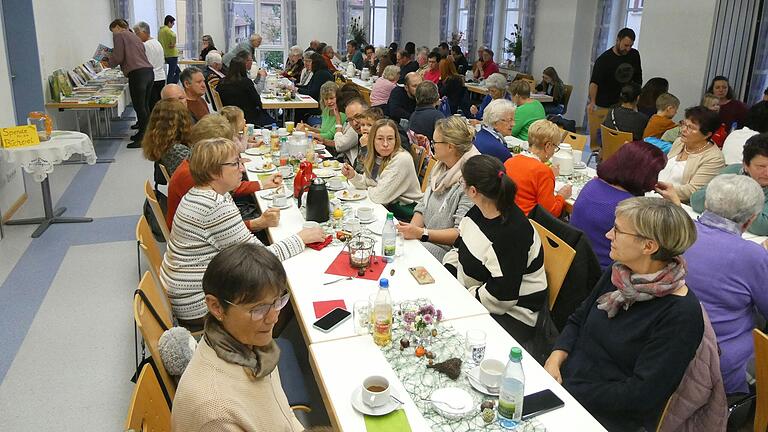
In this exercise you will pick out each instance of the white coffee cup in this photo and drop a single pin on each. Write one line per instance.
(365, 213)
(279, 200)
(491, 371)
(352, 225)
(285, 170)
(375, 392)
(335, 183)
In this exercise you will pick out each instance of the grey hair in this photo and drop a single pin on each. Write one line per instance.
(422, 51)
(295, 50)
(327, 48)
(212, 58)
(734, 197)
(141, 26)
(176, 347)
(381, 52)
(495, 110)
(308, 55)
(497, 81)
(391, 72)
(426, 93)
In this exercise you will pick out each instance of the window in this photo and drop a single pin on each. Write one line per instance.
(180, 27)
(461, 25)
(511, 18)
(244, 22)
(264, 17)
(377, 20)
(633, 17)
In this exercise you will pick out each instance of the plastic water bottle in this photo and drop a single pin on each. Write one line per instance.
(310, 152)
(274, 140)
(284, 153)
(382, 315)
(512, 391)
(389, 239)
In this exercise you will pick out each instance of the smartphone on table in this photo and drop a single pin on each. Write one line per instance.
(331, 320)
(421, 275)
(539, 403)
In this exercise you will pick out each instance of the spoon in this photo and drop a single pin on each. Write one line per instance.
(448, 404)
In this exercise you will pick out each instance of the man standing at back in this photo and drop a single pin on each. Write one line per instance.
(617, 66)
(167, 39)
(155, 55)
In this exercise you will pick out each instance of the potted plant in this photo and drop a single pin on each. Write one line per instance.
(357, 33)
(514, 47)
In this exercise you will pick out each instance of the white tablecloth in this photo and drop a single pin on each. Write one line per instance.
(39, 160)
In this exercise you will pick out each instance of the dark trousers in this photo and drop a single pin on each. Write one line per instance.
(154, 95)
(172, 77)
(140, 83)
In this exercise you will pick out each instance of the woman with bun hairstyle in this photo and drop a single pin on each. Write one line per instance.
(625, 117)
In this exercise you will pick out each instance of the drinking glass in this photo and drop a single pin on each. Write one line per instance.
(362, 316)
(399, 244)
(475, 347)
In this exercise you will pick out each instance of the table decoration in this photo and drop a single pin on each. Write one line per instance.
(341, 266)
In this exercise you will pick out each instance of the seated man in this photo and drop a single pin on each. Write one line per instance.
(174, 91)
(728, 274)
(194, 86)
(432, 73)
(214, 65)
(755, 165)
(406, 63)
(402, 100)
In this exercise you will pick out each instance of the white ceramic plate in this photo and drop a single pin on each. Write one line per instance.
(579, 165)
(262, 170)
(287, 205)
(342, 187)
(367, 221)
(473, 376)
(357, 403)
(256, 151)
(461, 401)
(319, 147)
(325, 173)
(348, 195)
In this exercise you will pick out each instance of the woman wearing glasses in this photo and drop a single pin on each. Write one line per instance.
(206, 222)
(497, 123)
(534, 179)
(232, 381)
(625, 350)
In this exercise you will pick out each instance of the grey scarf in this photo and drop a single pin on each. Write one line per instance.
(259, 361)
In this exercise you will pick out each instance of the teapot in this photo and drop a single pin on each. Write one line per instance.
(317, 202)
(42, 122)
(564, 159)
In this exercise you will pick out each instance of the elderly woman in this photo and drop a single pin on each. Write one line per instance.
(294, 64)
(237, 90)
(485, 67)
(731, 110)
(436, 217)
(207, 46)
(625, 350)
(693, 159)
(383, 59)
(330, 116)
(425, 115)
(625, 117)
(235, 363)
(167, 134)
(320, 76)
(632, 171)
(306, 70)
(534, 179)
(207, 221)
(389, 176)
(497, 89)
(498, 120)
(528, 110)
(383, 86)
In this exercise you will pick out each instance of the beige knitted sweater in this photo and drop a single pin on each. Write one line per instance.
(396, 183)
(214, 395)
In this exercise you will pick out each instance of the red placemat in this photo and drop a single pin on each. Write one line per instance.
(340, 266)
(325, 306)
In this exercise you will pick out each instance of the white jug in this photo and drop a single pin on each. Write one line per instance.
(351, 70)
(564, 159)
(365, 74)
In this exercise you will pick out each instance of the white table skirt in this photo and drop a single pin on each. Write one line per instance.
(39, 160)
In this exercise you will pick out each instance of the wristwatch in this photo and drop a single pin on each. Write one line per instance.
(425, 235)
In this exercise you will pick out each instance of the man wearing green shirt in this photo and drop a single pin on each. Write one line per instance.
(167, 39)
(528, 110)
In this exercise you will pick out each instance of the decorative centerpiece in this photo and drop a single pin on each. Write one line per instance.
(361, 251)
(422, 323)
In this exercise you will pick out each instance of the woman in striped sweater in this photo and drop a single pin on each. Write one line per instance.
(499, 257)
(207, 221)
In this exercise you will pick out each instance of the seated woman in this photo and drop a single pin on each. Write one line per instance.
(167, 135)
(499, 254)
(425, 115)
(389, 175)
(693, 159)
(552, 85)
(234, 367)
(451, 87)
(653, 88)
(755, 123)
(535, 181)
(383, 59)
(528, 110)
(626, 348)
(632, 171)
(294, 65)
(329, 113)
(436, 217)
(625, 117)
(318, 73)
(236, 119)
(486, 66)
(207, 47)
(459, 60)
(383, 86)
(207, 221)
(496, 85)
(731, 110)
(498, 120)
(238, 90)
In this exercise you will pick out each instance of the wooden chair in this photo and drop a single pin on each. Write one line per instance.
(156, 210)
(418, 153)
(558, 256)
(151, 251)
(164, 170)
(151, 326)
(612, 141)
(577, 142)
(427, 172)
(761, 376)
(567, 90)
(148, 410)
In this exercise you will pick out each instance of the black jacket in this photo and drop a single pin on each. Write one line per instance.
(400, 105)
(410, 67)
(312, 88)
(242, 94)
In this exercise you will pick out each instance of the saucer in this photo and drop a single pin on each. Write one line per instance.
(360, 406)
(342, 187)
(460, 399)
(473, 375)
(325, 173)
(287, 205)
(367, 221)
(256, 151)
(579, 165)
(262, 170)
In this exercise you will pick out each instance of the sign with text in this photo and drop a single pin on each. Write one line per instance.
(19, 136)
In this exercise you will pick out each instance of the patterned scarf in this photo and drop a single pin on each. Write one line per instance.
(641, 287)
(260, 361)
(443, 178)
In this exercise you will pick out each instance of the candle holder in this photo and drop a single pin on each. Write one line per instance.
(361, 251)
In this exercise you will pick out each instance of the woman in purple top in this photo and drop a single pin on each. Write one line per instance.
(632, 171)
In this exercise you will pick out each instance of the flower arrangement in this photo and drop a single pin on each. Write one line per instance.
(357, 33)
(422, 320)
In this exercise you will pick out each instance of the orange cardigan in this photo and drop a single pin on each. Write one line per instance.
(535, 184)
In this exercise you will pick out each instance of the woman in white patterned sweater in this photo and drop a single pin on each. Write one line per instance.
(208, 221)
(499, 254)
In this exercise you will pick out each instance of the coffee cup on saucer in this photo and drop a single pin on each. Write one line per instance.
(365, 213)
(279, 200)
(285, 170)
(375, 392)
(491, 371)
(335, 183)
(352, 225)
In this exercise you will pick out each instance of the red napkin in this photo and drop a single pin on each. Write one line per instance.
(340, 266)
(319, 245)
(323, 307)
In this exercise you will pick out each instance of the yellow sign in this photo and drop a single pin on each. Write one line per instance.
(19, 136)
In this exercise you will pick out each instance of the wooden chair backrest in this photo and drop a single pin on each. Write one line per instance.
(558, 256)
(418, 153)
(427, 172)
(761, 376)
(577, 141)
(164, 170)
(151, 329)
(154, 256)
(613, 140)
(148, 410)
(156, 209)
(567, 90)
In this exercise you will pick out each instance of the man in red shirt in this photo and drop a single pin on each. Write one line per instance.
(194, 86)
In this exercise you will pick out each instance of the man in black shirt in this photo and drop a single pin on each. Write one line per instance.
(406, 63)
(614, 68)
(402, 100)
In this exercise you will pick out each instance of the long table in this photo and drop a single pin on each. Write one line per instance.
(483, 90)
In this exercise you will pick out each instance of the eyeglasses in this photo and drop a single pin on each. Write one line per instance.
(261, 311)
(690, 126)
(618, 231)
(236, 164)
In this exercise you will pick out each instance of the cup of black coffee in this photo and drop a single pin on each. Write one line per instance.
(375, 391)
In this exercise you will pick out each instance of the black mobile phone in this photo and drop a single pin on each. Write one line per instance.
(331, 320)
(540, 403)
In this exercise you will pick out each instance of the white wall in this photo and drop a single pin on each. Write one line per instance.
(316, 19)
(421, 23)
(146, 10)
(213, 22)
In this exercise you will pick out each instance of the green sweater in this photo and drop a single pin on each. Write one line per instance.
(759, 226)
(526, 114)
(167, 37)
(328, 127)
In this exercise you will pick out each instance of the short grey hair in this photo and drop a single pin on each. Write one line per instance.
(381, 52)
(426, 93)
(141, 26)
(497, 81)
(327, 48)
(295, 50)
(308, 55)
(391, 72)
(496, 110)
(212, 58)
(734, 197)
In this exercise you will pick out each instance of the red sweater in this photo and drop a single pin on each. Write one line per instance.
(535, 184)
(181, 182)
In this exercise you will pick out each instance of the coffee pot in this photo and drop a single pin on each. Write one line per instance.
(317, 202)
(564, 159)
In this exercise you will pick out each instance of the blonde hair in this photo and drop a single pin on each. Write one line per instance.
(205, 162)
(456, 131)
(661, 221)
(543, 132)
(370, 159)
(328, 89)
(232, 114)
(667, 100)
(520, 88)
(390, 72)
(169, 124)
(709, 98)
(211, 126)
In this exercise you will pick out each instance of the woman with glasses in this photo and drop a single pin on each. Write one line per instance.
(389, 176)
(534, 179)
(498, 120)
(232, 381)
(497, 89)
(625, 350)
(207, 221)
(693, 159)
